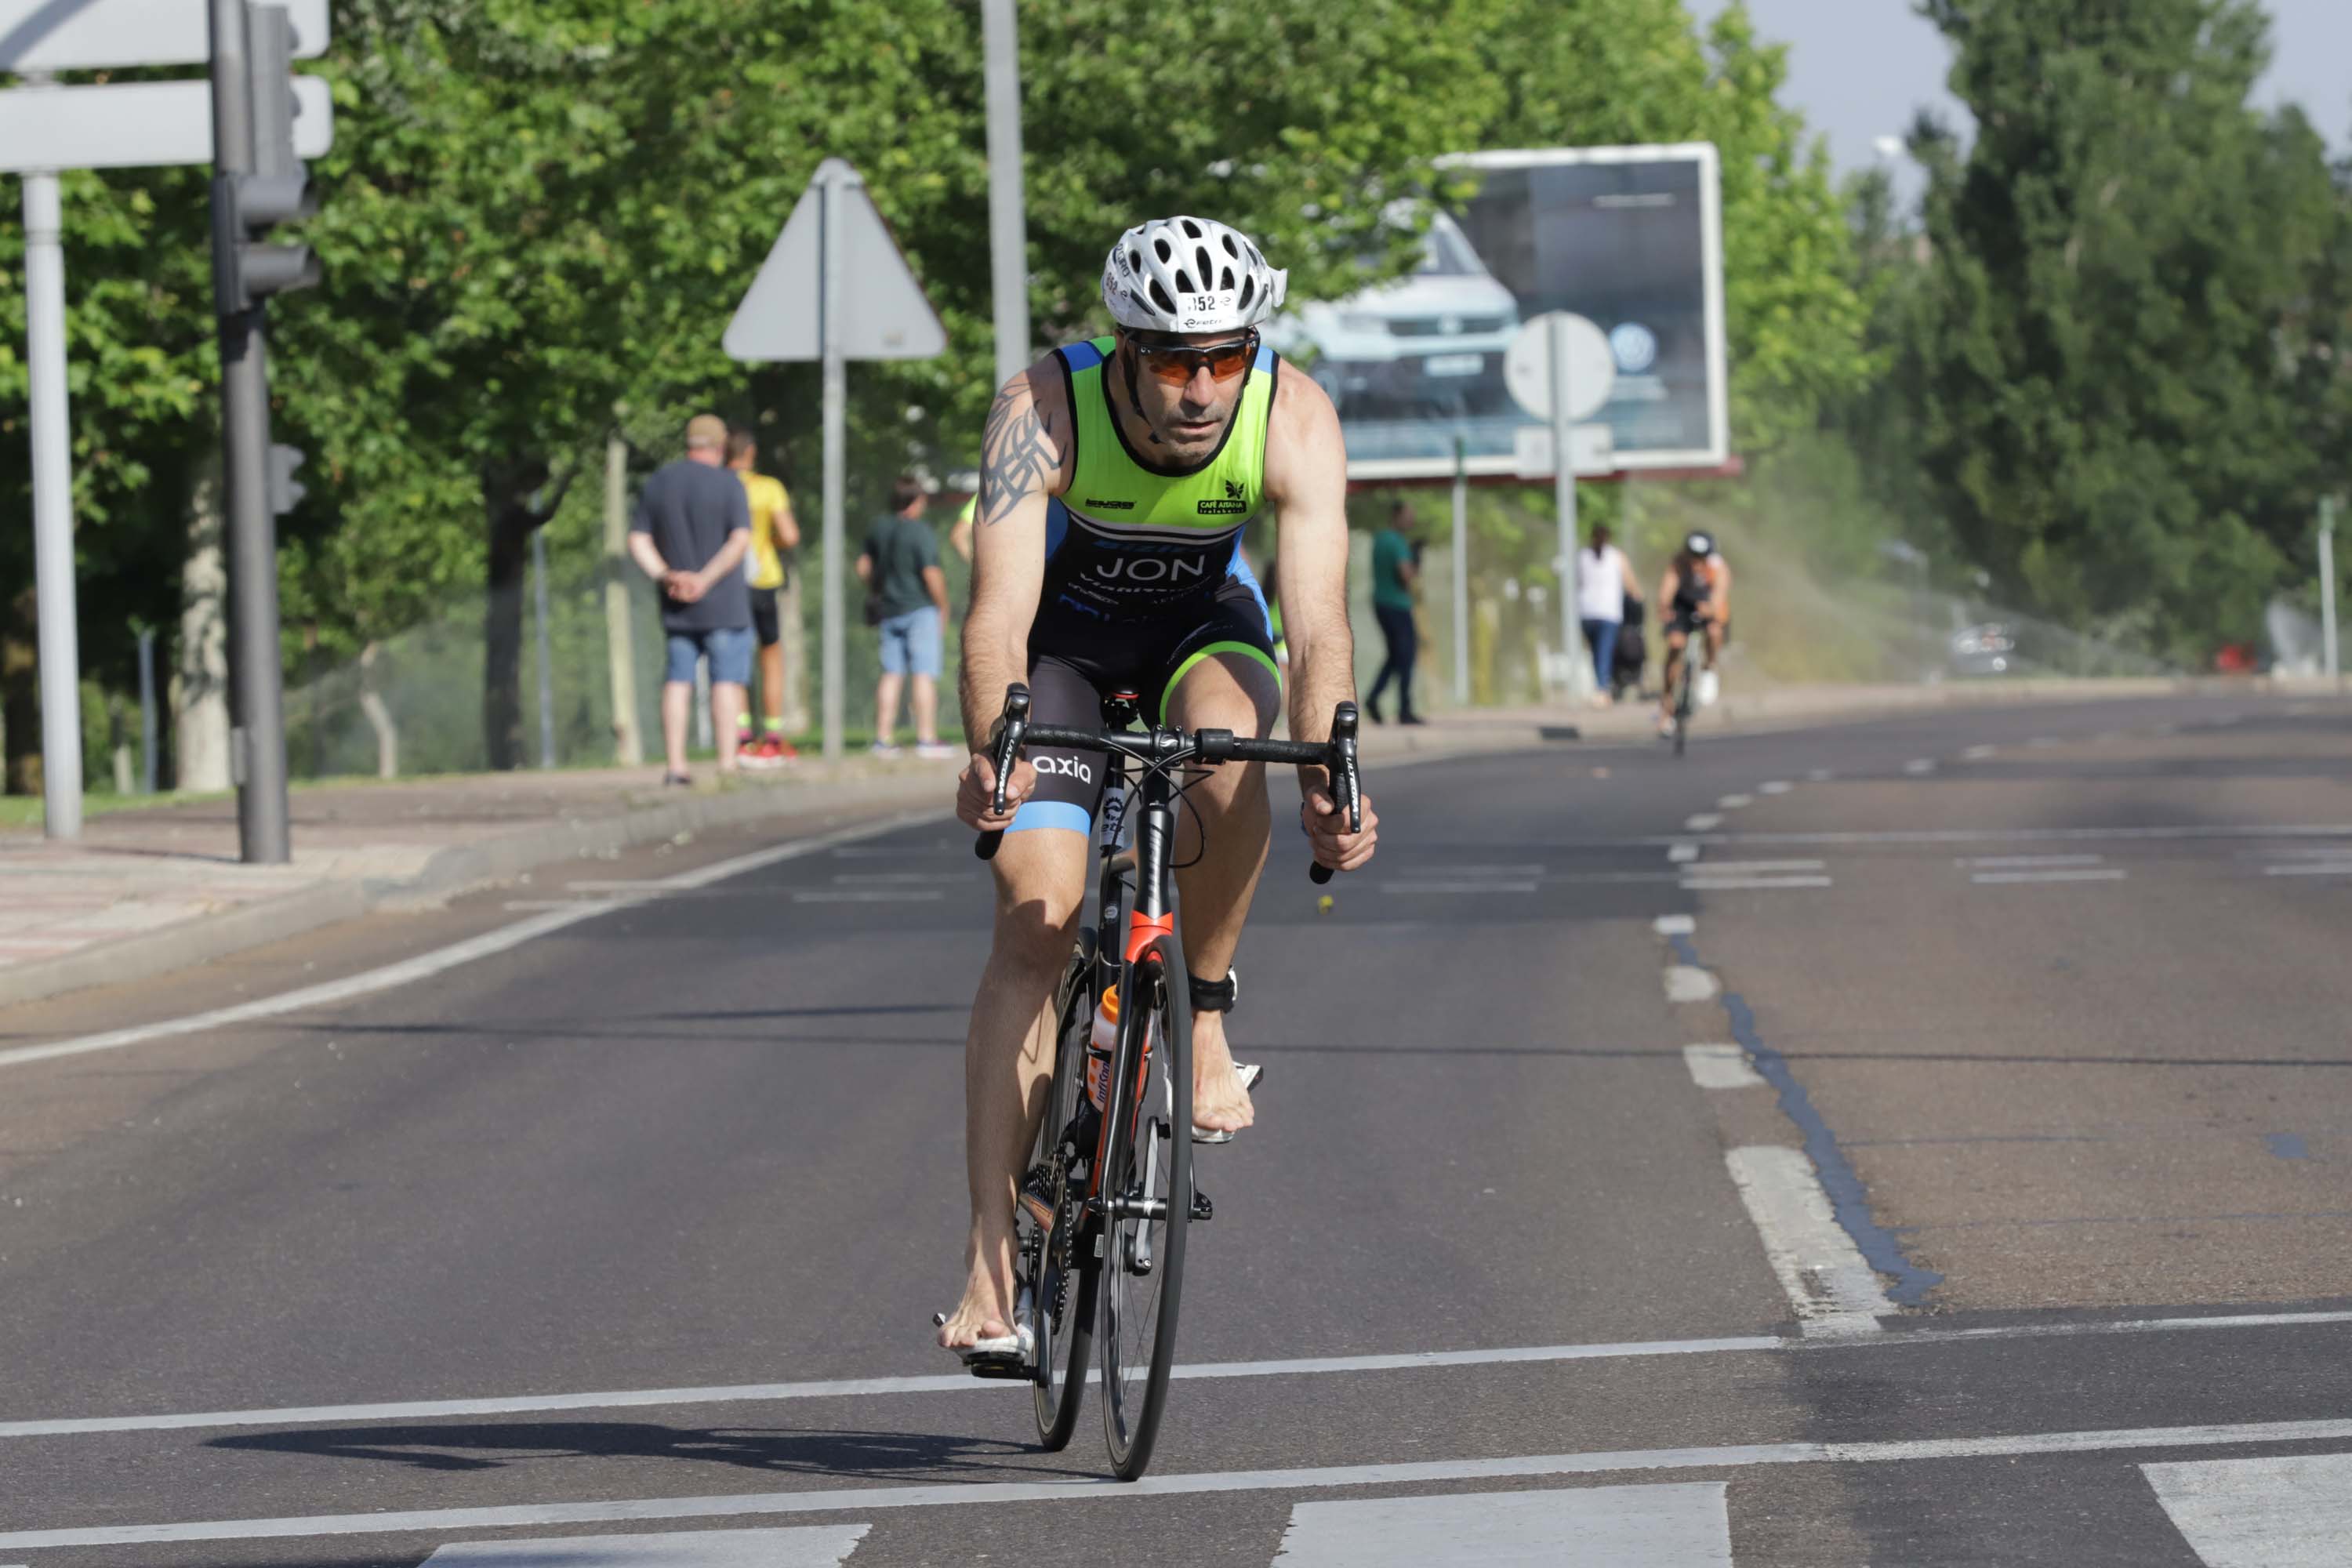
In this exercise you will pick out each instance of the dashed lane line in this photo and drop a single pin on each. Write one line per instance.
(1774, 786)
(870, 1499)
(1918, 767)
(1701, 822)
(1747, 868)
(2009, 878)
(2289, 1511)
(1721, 1066)
(2023, 862)
(1829, 1286)
(427, 965)
(1714, 884)
(1683, 1524)
(869, 896)
(1673, 925)
(1681, 853)
(1689, 982)
(1735, 802)
(1978, 753)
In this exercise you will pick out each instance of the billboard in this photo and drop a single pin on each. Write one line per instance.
(1631, 238)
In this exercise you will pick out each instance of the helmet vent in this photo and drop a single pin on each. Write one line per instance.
(1134, 261)
(1230, 250)
(1159, 295)
(1192, 229)
(1204, 266)
(1160, 248)
(1185, 282)
(1249, 292)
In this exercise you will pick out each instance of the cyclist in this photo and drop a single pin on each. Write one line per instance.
(1696, 593)
(1117, 476)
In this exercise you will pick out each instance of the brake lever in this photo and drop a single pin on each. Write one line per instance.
(1344, 779)
(1011, 725)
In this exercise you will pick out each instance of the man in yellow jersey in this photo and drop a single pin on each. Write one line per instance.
(1117, 476)
(960, 536)
(773, 531)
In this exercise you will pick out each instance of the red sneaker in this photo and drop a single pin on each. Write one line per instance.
(769, 751)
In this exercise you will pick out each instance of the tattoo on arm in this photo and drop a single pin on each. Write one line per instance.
(1017, 459)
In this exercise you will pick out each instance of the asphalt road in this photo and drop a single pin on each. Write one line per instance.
(2003, 1213)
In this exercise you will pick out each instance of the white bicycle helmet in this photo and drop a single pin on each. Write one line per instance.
(1189, 275)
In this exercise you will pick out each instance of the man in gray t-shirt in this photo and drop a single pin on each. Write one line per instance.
(691, 529)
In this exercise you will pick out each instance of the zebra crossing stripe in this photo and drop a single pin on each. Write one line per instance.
(2289, 1512)
(801, 1546)
(1677, 1525)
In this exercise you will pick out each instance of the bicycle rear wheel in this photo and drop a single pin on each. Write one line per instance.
(1147, 1187)
(1682, 702)
(1061, 1260)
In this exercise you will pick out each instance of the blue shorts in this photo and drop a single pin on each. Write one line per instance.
(729, 649)
(910, 643)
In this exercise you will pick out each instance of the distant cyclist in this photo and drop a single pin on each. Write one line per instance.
(1694, 596)
(1117, 476)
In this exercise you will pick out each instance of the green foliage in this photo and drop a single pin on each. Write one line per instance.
(2126, 351)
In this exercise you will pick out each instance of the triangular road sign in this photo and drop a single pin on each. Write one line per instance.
(884, 313)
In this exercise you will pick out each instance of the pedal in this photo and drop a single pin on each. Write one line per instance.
(1203, 1209)
(1003, 1371)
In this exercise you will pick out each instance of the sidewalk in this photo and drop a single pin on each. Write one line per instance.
(156, 889)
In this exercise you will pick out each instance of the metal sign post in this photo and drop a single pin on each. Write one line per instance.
(1008, 246)
(1577, 672)
(2327, 587)
(1461, 573)
(835, 288)
(830, 289)
(53, 556)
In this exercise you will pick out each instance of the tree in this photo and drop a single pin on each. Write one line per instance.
(2118, 348)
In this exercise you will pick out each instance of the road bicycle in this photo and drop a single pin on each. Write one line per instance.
(1105, 1204)
(1692, 626)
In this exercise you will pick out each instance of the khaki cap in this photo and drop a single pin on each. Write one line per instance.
(705, 430)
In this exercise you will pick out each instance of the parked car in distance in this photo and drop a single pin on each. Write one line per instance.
(1429, 345)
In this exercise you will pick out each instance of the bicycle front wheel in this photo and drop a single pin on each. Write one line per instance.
(1147, 1193)
(1062, 1266)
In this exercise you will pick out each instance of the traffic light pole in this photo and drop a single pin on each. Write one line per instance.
(257, 740)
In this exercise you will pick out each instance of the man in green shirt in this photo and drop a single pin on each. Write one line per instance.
(1396, 568)
(907, 601)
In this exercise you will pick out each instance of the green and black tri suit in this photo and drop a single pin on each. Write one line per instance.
(1144, 576)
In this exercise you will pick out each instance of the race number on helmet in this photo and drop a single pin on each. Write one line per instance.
(1189, 275)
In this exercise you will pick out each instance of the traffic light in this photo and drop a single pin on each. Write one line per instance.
(245, 206)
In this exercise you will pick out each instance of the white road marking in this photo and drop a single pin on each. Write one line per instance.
(1720, 1067)
(1079, 1489)
(1818, 776)
(1673, 925)
(867, 878)
(869, 896)
(2007, 836)
(799, 1546)
(1713, 884)
(1743, 868)
(1700, 822)
(1978, 753)
(1457, 887)
(1682, 853)
(1688, 983)
(1514, 872)
(1734, 802)
(1774, 786)
(1831, 1288)
(2022, 862)
(1917, 766)
(529, 906)
(2005, 879)
(1671, 1525)
(636, 885)
(2293, 1511)
(2312, 868)
(424, 965)
(962, 1382)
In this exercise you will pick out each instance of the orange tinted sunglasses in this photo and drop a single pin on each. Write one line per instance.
(1177, 364)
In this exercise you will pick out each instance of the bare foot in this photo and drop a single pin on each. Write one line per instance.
(986, 1310)
(1220, 1103)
